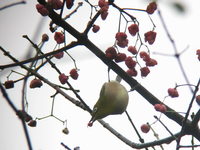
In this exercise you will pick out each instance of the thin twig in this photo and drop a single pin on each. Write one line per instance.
(16, 112)
(13, 4)
(177, 55)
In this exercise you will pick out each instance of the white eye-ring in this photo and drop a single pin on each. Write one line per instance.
(95, 109)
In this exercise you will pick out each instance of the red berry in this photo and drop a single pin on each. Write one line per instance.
(104, 9)
(56, 4)
(145, 128)
(145, 56)
(59, 55)
(42, 9)
(9, 84)
(133, 29)
(28, 118)
(74, 74)
(198, 99)
(63, 78)
(32, 123)
(69, 3)
(104, 15)
(102, 3)
(150, 37)
(144, 71)
(151, 8)
(123, 43)
(120, 57)
(132, 49)
(36, 83)
(132, 72)
(120, 36)
(95, 28)
(45, 38)
(111, 53)
(198, 52)
(59, 37)
(160, 107)
(151, 62)
(173, 92)
(130, 63)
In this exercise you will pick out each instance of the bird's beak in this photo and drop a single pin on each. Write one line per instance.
(90, 123)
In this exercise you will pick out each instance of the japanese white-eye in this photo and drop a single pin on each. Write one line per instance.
(113, 99)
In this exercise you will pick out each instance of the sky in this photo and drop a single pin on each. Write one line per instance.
(24, 20)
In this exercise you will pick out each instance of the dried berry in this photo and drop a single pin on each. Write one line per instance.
(9, 84)
(32, 123)
(36, 83)
(65, 131)
(45, 37)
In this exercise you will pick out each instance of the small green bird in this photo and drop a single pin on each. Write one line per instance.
(113, 100)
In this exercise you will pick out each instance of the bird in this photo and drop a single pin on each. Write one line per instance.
(113, 99)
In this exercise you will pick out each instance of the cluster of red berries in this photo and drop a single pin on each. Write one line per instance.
(104, 8)
(111, 53)
(64, 78)
(27, 118)
(198, 54)
(54, 4)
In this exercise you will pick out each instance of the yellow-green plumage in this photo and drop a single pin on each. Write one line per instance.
(113, 100)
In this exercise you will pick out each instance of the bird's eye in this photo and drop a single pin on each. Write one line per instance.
(95, 109)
